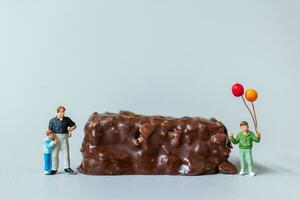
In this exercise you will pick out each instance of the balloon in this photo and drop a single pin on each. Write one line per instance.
(237, 90)
(251, 95)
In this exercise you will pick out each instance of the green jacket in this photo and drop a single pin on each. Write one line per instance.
(245, 140)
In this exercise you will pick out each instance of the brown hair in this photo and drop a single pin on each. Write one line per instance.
(60, 108)
(49, 132)
(243, 123)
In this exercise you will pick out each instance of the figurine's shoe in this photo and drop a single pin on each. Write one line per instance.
(52, 172)
(242, 173)
(69, 170)
(252, 174)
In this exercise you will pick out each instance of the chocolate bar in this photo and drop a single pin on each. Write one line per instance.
(130, 144)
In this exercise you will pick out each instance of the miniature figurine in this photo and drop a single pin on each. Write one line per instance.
(49, 143)
(63, 128)
(245, 139)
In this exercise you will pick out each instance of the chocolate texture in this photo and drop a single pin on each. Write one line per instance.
(126, 144)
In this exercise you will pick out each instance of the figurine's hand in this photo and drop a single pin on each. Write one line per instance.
(230, 134)
(70, 134)
(257, 132)
(55, 141)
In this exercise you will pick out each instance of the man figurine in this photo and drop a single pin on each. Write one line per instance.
(62, 127)
(245, 139)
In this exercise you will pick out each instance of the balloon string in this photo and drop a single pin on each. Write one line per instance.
(249, 111)
(253, 108)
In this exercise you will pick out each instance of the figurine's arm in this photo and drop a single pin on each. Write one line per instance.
(234, 140)
(55, 140)
(50, 125)
(71, 129)
(72, 126)
(50, 144)
(256, 137)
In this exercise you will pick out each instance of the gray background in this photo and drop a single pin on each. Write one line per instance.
(176, 58)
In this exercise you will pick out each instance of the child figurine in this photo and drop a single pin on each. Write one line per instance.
(245, 139)
(49, 143)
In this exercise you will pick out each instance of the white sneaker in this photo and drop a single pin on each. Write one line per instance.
(252, 174)
(242, 173)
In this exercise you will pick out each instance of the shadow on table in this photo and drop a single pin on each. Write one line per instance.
(263, 169)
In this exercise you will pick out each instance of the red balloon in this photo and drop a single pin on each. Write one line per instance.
(237, 90)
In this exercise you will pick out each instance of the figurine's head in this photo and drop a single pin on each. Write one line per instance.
(244, 126)
(50, 134)
(60, 111)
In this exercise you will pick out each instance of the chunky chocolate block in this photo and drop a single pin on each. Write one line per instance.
(127, 143)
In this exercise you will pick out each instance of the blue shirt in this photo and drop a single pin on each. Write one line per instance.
(60, 126)
(48, 145)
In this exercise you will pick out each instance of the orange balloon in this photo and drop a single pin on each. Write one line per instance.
(251, 95)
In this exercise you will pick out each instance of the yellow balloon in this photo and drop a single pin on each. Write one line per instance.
(251, 95)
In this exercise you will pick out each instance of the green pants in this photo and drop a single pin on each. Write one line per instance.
(246, 156)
